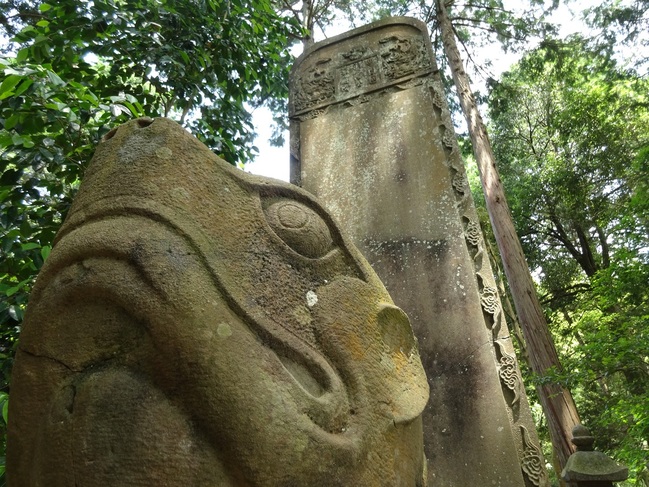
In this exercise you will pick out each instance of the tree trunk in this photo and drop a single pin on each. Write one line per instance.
(606, 258)
(308, 22)
(556, 401)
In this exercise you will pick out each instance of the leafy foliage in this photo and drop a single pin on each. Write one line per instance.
(622, 23)
(570, 132)
(314, 13)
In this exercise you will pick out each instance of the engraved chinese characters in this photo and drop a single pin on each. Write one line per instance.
(386, 61)
(380, 153)
(196, 325)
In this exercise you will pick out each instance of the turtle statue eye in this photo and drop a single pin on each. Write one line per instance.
(300, 228)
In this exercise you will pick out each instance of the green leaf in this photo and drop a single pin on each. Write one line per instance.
(22, 54)
(4, 405)
(44, 7)
(54, 78)
(16, 139)
(5, 410)
(5, 138)
(24, 86)
(8, 84)
(28, 143)
(30, 246)
(12, 121)
(45, 252)
(11, 291)
(132, 108)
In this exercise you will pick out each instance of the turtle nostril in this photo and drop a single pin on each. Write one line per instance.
(139, 122)
(144, 122)
(109, 135)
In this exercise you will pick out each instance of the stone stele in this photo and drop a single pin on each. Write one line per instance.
(199, 326)
(371, 138)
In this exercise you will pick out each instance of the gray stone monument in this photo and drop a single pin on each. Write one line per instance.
(371, 137)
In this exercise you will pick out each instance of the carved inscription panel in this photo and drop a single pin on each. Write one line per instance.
(375, 61)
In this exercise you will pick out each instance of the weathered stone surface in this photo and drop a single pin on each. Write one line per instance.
(593, 466)
(371, 137)
(196, 325)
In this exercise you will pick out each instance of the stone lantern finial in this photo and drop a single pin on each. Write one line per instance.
(582, 438)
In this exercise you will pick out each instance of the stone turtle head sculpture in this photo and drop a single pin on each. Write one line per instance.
(197, 325)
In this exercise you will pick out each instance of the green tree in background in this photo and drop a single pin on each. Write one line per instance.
(622, 23)
(570, 133)
(314, 13)
(72, 70)
(476, 24)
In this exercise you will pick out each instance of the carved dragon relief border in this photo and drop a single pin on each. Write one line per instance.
(531, 457)
(394, 62)
(357, 73)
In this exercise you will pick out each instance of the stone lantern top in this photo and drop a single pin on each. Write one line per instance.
(582, 438)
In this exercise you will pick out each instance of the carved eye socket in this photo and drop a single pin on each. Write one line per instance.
(300, 227)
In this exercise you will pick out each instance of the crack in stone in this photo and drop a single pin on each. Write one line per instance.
(32, 354)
